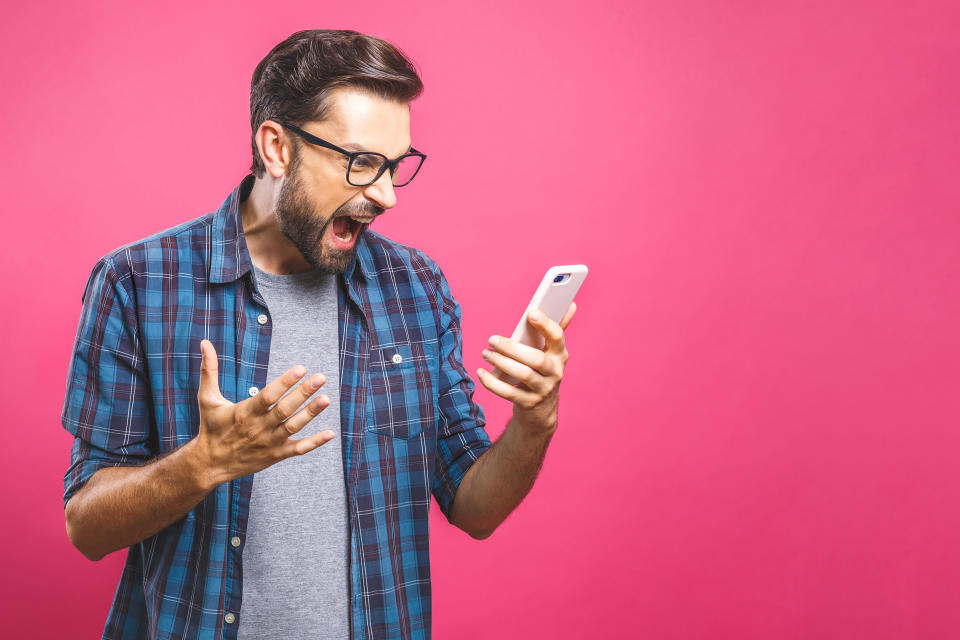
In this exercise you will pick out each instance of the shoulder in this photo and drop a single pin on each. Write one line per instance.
(161, 253)
(389, 255)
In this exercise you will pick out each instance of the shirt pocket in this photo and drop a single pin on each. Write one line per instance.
(402, 401)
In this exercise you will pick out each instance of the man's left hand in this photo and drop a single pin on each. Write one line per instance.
(538, 370)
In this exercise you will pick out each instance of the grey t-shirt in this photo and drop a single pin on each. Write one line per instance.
(295, 558)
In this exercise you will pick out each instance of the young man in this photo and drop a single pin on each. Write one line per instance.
(202, 349)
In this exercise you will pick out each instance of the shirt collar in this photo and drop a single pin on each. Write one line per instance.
(229, 257)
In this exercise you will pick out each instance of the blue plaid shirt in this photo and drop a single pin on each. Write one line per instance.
(409, 428)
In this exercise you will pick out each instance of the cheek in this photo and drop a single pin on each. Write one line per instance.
(330, 173)
(324, 195)
(330, 189)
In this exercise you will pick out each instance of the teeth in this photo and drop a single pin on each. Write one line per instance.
(360, 220)
(345, 237)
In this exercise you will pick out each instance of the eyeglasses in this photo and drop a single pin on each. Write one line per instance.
(366, 167)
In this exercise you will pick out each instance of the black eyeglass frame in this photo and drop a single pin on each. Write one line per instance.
(387, 162)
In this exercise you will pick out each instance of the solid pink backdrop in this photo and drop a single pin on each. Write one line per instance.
(758, 433)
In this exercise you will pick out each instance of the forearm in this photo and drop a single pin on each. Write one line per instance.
(499, 480)
(120, 506)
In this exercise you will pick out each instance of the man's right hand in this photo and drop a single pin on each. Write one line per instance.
(237, 439)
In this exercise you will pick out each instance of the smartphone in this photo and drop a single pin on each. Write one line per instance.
(552, 298)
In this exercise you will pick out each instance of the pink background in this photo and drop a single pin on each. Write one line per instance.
(758, 431)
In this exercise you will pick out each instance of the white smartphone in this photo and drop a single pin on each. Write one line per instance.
(552, 298)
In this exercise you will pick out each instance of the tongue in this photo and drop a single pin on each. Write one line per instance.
(341, 225)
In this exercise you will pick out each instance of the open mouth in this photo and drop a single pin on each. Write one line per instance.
(345, 230)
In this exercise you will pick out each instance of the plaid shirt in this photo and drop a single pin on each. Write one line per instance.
(409, 424)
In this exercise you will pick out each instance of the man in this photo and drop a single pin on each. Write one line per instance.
(189, 377)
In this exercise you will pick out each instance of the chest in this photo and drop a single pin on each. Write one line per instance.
(384, 334)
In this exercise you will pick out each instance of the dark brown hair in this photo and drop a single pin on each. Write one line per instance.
(294, 81)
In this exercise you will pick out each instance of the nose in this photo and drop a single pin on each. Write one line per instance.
(381, 191)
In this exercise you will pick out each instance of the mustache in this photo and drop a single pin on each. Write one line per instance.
(364, 212)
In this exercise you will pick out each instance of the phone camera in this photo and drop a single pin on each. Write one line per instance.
(561, 277)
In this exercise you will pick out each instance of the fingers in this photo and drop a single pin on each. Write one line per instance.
(532, 379)
(551, 331)
(287, 405)
(536, 359)
(506, 390)
(305, 445)
(568, 316)
(300, 419)
(209, 373)
(270, 394)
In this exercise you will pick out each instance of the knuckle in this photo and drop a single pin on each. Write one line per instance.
(241, 413)
(263, 400)
(249, 436)
(280, 413)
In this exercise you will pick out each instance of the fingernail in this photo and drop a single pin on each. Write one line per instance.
(299, 371)
(494, 340)
(315, 381)
(485, 354)
(534, 315)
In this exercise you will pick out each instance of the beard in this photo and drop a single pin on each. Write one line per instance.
(295, 213)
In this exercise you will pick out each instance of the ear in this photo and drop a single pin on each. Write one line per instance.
(275, 147)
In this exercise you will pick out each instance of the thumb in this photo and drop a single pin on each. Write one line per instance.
(209, 372)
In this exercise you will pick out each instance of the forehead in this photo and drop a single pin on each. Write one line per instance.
(359, 121)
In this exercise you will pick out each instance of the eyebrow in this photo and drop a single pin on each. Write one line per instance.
(353, 146)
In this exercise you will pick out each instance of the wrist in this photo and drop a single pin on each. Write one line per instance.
(535, 432)
(535, 426)
(202, 468)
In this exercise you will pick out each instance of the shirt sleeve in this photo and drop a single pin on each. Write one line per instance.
(106, 405)
(461, 439)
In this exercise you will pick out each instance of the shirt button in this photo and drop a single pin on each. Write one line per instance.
(254, 391)
(235, 541)
(229, 618)
(397, 358)
(262, 318)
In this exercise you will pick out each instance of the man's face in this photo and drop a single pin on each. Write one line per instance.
(315, 191)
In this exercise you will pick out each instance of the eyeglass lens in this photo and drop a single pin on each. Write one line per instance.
(366, 166)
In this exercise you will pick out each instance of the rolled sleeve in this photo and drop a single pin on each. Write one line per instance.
(106, 405)
(461, 438)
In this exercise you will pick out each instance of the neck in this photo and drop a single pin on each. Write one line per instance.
(269, 249)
